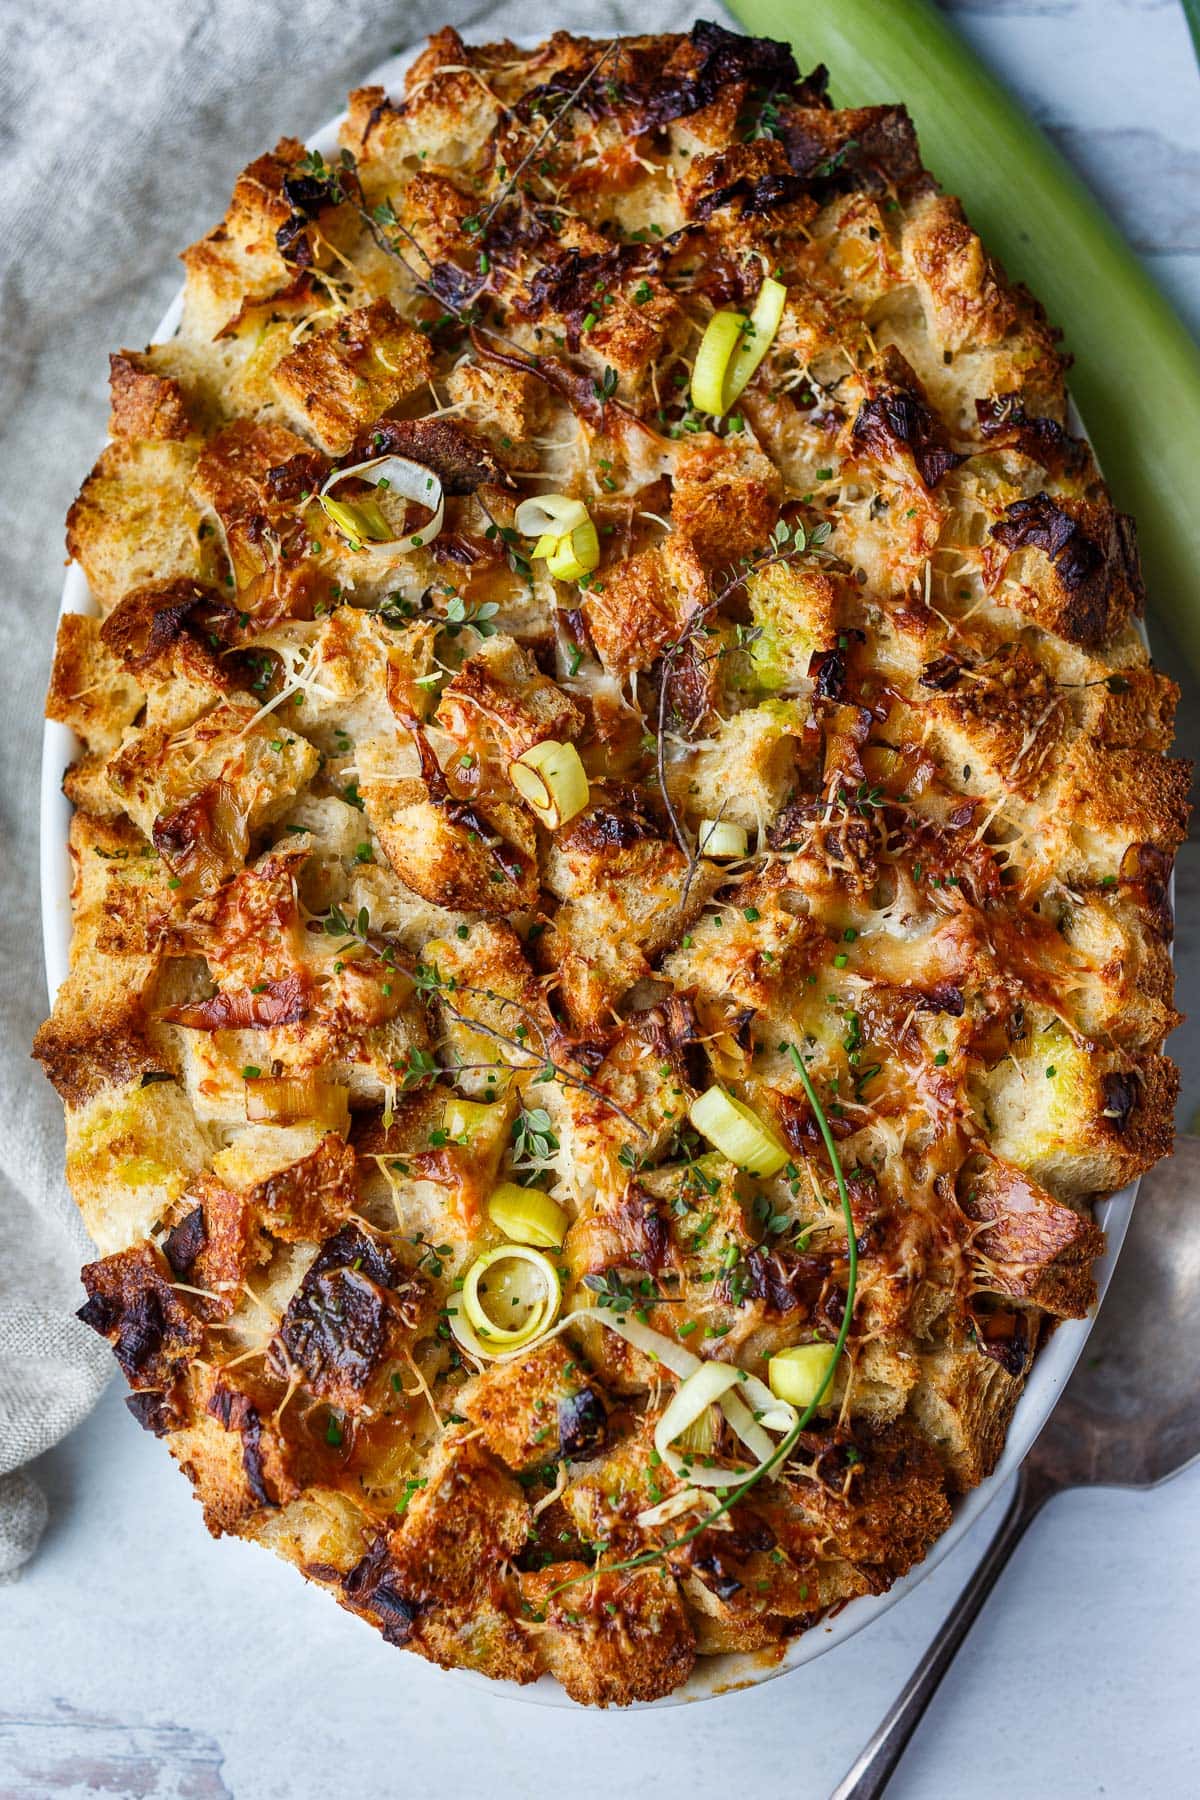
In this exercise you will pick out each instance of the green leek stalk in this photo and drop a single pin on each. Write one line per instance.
(1136, 374)
(1191, 12)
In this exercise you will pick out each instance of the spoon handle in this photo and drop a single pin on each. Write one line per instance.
(876, 1765)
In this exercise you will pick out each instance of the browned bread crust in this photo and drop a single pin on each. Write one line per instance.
(885, 611)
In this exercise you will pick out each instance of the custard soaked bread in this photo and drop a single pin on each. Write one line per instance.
(621, 851)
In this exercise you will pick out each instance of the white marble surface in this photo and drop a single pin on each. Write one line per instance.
(139, 1659)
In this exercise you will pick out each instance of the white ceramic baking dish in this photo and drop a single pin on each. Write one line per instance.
(1046, 1381)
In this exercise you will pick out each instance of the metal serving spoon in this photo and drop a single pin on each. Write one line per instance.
(1130, 1417)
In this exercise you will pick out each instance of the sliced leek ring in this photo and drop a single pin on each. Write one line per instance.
(765, 319)
(552, 780)
(705, 1387)
(554, 515)
(527, 1215)
(798, 1375)
(359, 521)
(732, 348)
(513, 1269)
(362, 523)
(464, 1118)
(737, 1132)
(722, 1384)
(717, 349)
(718, 839)
(574, 555)
(292, 1099)
(752, 1413)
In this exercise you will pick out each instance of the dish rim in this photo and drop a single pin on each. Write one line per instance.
(713, 1675)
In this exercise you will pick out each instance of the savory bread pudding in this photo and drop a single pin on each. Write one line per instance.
(621, 846)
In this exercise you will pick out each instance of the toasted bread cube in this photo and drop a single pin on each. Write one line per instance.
(623, 901)
(85, 785)
(466, 1516)
(1098, 803)
(276, 569)
(1131, 709)
(726, 495)
(199, 793)
(537, 1410)
(435, 1583)
(1001, 728)
(144, 403)
(878, 1501)
(645, 1074)
(641, 604)
(433, 209)
(245, 1457)
(995, 335)
(458, 856)
(89, 689)
(794, 610)
(745, 962)
(131, 1302)
(1077, 1119)
(491, 960)
(504, 402)
(1123, 991)
(321, 1531)
(214, 1244)
(134, 521)
(164, 640)
(301, 1180)
(962, 1401)
(634, 338)
(123, 909)
(131, 1151)
(355, 1312)
(612, 1639)
(748, 773)
(500, 700)
(1069, 563)
(1033, 1247)
(244, 257)
(452, 110)
(343, 379)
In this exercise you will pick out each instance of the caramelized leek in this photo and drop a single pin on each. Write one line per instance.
(1036, 215)
(799, 1375)
(732, 348)
(572, 557)
(362, 523)
(566, 536)
(292, 1099)
(517, 1302)
(462, 1119)
(527, 1215)
(549, 515)
(719, 840)
(737, 1132)
(551, 778)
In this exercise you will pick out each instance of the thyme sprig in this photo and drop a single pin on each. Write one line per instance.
(384, 218)
(428, 979)
(533, 1137)
(544, 137)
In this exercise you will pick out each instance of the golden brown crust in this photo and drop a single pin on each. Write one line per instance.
(144, 403)
(332, 980)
